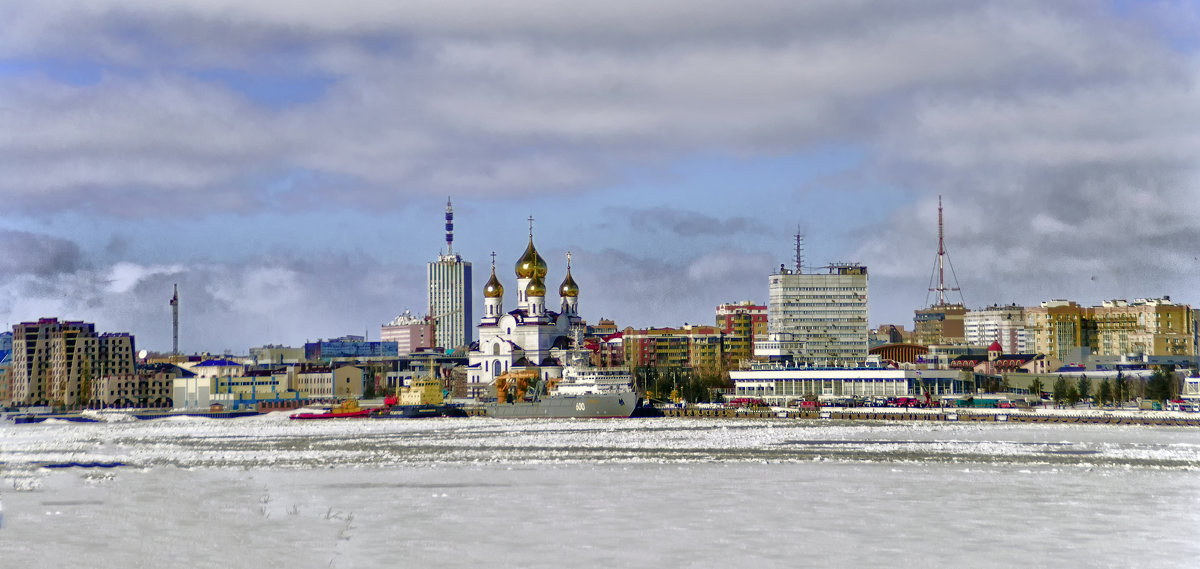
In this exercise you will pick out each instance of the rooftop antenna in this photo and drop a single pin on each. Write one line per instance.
(799, 251)
(175, 321)
(939, 267)
(449, 227)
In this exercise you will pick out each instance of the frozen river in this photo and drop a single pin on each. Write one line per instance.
(267, 492)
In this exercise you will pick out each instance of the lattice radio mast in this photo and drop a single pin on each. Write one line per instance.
(939, 267)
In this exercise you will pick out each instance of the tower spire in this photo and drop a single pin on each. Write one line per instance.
(449, 227)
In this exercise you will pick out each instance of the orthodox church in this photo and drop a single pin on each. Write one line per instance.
(529, 338)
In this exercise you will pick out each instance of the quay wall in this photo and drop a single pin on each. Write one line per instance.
(952, 415)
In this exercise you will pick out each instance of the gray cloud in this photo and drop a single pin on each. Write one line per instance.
(25, 253)
(1062, 136)
(437, 99)
(681, 223)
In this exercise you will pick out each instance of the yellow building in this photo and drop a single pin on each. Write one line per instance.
(1151, 327)
(1057, 327)
(1154, 327)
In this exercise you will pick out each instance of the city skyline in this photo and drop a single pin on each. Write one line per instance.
(291, 177)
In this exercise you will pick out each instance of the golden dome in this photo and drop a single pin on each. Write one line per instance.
(568, 288)
(537, 287)
(493, 288)
(531, 264)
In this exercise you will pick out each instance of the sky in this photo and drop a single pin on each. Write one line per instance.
(288, 163)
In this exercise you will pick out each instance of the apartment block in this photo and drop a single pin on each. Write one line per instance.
(56, 362)
(743, 323)
(817, 317)
(1003, 324)
(1154, 327)
(1059, 328)
(685, 347)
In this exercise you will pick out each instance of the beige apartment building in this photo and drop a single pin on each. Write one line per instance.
(56, 362)
(1152, 327)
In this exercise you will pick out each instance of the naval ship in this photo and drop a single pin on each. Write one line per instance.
(582, 393)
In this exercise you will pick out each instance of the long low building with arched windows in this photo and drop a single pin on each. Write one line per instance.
(778, 384)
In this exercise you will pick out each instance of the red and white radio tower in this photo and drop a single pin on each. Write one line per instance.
(939, 267)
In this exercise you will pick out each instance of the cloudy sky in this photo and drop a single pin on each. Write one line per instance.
(287, 163)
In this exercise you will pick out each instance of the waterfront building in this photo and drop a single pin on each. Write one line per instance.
(150, 385)
(1003, 324)
(779, 384)
(817, 317)
(348, 347)
(192, 392)
(410, 333)
(55, 362)
(449, 280)
(328, 382)
(253, 386)
(526, 338)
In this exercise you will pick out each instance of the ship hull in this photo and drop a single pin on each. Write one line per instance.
(587, 406)
(341, 415)
(420, 412)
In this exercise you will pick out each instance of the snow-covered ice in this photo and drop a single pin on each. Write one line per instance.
(268, 492)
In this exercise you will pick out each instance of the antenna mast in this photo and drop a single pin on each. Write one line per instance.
(175, 322)
(799, 251)
(942, 260)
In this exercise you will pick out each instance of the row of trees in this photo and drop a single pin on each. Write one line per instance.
(701, 384)
(1162, 386)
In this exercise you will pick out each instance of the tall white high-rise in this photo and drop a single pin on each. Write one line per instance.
(449, 281)
(817, 317)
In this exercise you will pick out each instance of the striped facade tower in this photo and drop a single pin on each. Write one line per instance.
(449, 281)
